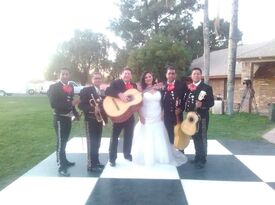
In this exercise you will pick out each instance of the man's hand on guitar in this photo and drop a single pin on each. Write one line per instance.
(123, 97)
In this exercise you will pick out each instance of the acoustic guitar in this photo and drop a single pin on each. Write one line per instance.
(190, 124)
(181, 140)
(120, 111)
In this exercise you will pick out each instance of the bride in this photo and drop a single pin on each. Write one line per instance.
(150, 142)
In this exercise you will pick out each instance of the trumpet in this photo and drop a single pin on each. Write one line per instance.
(98, 115)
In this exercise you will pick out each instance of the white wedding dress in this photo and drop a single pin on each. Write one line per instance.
(150, 142)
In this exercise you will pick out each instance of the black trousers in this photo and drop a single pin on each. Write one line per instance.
(200, 140)
(62, 127)
(93, 135)
(169, 124)
(128, 127)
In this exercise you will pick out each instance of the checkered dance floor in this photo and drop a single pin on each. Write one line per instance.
(237, 172)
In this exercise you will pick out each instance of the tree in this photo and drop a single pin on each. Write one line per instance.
(140, 19)
(232, 55)
(218, 37)
(156, 54)
(120, 63)
(86, 52)
(206, 47)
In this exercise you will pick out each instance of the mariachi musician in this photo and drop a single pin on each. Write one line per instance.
(117, 89)
(61, 99)
(199, 98)
(173, 94)
(95, 118)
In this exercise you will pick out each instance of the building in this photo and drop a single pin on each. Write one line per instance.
(255, 66)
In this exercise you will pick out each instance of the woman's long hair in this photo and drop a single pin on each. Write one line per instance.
(143, 85)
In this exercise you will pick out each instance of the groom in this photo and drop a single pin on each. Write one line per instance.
(116, 89)
(173, 94)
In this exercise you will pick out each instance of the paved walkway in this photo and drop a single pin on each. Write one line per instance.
(270, 136)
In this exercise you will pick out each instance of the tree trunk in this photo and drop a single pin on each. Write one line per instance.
(232, 54)
(206, 49)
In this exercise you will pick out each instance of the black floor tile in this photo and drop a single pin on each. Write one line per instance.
(218, 167)
(252, 147)
(272, 184)
(138, 192)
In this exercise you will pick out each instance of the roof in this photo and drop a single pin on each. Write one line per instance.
(260, 50)
(218, 59)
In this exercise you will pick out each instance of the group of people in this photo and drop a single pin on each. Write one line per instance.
(151, 139)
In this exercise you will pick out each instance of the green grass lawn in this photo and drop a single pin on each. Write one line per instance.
(240, 126)
(27, 135)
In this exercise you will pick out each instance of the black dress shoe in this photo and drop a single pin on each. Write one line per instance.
(182, 151)
(100, 166)
(94, 169)
(112, 163)
(199, 165)
(129, 158)
(193, 161)
(70, 164)
(63, 173)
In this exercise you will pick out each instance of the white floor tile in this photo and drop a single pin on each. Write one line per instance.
(126, 169)
(262, 166)
(227, 192)
(79, 145)
(48, 190)
(213, 148)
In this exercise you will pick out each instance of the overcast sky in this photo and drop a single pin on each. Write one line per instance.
(32, 29)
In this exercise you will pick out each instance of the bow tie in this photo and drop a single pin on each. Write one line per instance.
(67, 89)
(128, 85)
(192, 87)
(170, 86)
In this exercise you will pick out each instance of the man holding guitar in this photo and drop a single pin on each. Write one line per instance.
(117, 89)
(199, 98)
(173, 94)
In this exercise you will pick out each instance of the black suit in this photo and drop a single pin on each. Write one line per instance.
(116, 87)
(200, 138)
(169, 105)
(93, 127)
(61, 102)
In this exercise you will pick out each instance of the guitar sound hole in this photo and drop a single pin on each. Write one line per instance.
(191, 119)
(130, 98)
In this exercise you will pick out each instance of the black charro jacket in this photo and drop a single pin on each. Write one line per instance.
(191, 97)
(87, 95)
(116, 87)
(60, 101)
(169, 100)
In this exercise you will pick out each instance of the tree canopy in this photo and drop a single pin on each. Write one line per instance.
(84, 53)
(140, 19)
(218, 36)
(156, 54)
(153, 30)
